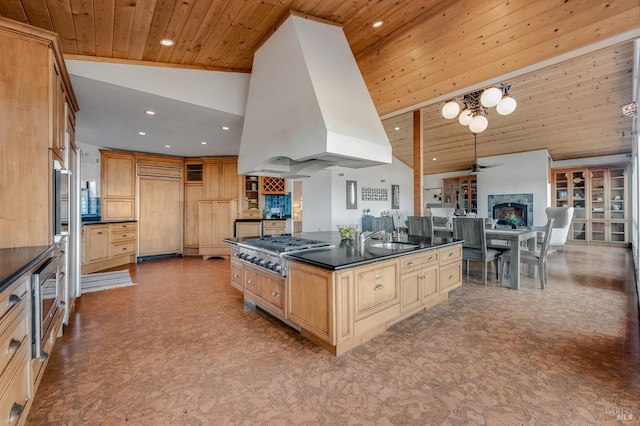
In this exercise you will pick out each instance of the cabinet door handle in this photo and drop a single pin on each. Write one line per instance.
(431, 258)
(409, 263)
(124, 248)
(99, 233)
(14, 344)
(378, 287)
(378, 276)
(14, 299)
(16, 411)
(422, 277)
(450, 254)
(450, 277)
(236, 275)
(275, 294)
(250, 282)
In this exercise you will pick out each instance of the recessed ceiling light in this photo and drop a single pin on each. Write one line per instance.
(203, 143)
(166, 42)
(397, 128)
(142, 133)
(377, 24)
(225, 128)
(167, 146)
(150, 112)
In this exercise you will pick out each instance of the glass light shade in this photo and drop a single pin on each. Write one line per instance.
(478, 124)
(450, 110)
(465, 117)
(491, 97)
(506, 106)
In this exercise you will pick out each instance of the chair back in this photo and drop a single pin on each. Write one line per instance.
(471, 230)
(548, 236)
(562, 224)
(420, 226)
(383, 223)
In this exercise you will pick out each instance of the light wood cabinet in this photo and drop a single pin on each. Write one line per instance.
(272, 185)
(108, 245)
(193, 194)
(29, 109)
(221, 179)
(273, 227)
(340, 310)
(215, 222)
(461, 193)
(251, 196)
(267, 287)
(248, 229)
(160, 216)
(599, 197)
(117, 185)
(16, 384)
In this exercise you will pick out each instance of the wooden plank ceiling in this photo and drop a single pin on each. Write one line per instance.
(424, 50)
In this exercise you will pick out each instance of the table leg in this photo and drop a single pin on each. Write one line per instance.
(531, 268)
(515, 265)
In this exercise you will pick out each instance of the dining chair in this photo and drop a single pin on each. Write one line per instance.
(536, 257)
(474, 247)
(383, 223)
(420, 226)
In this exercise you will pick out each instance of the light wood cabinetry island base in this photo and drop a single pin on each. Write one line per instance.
(340, 310)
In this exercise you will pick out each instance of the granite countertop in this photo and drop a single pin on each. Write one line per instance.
(16, 261)
(256, 219)
(347, 253)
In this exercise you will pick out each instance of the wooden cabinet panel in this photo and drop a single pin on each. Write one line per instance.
(118, 209)
(212, 174)
(117, 175)
(273, 227)
(376, 288)
(237, 274)
(229, 180)
(97, 243)
(247, 229)
(221, 180)
(160, 220)
(193, 194)
(215, 222)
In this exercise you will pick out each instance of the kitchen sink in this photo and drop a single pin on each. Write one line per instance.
(393, 245)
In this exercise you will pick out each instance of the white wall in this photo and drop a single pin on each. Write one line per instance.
(324, 195)
(90, 164)
(522, 173)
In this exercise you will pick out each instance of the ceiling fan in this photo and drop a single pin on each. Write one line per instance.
(477, 168)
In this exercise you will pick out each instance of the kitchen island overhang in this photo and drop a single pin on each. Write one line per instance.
(345, 295)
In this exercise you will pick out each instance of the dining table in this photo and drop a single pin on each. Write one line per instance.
(515, 237)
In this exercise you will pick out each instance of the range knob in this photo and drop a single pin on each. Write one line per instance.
(262, 262)
(268, 264)
(276, 267)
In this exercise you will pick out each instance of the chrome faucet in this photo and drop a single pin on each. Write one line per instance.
(364, 238)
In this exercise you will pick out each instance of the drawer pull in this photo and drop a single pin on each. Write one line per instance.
(124, 235)
(422, 277)
(378, 276)
(124, 249)
(16, 411)
(250, 282)
(450, 277)
(14, 299)
(14, 344)
(275, 294)
(236, 275)
(450, 254)
(430, 257)
(378, 287)
(409, 263)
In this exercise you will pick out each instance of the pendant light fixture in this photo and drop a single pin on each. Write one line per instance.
(474, 114)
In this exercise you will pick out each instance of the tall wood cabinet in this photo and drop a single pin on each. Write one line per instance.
(461, 193)
(599, 197)
(216, 221)
(34, 88)
(117, 185)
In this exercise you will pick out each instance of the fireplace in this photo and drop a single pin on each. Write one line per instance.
(509, 209)
(514, 214)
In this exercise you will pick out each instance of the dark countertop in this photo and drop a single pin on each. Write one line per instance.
(347, 253)
(16, 261)
(255, 219)
(106, 222)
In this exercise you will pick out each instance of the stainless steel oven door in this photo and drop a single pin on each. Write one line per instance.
(45, 284)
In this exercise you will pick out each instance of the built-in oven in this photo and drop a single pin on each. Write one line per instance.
(46, 291)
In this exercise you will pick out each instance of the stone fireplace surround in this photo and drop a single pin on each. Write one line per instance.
(519, 204)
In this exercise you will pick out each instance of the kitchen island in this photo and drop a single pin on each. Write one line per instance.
(343, 296)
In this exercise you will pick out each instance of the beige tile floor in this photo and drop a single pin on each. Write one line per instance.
(180, 349)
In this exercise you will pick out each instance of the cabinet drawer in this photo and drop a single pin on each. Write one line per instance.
(237, 274)
(253, 214)
(13, 299)
(15, 337)
(123, 249)
(252, 281)
(272, 291)
(118, 228)
(450, 254)
(450, 277)
(376, 289)
(18, 392)
(276, 224)
(123, 236)
(414, 262)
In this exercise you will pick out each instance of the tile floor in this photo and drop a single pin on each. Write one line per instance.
(179, 349)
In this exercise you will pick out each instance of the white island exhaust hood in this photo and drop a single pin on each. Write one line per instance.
(308, 107)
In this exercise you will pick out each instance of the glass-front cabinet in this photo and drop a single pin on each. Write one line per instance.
(461, 193)
(598, 196)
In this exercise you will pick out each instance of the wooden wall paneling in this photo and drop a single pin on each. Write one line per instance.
(158, 28)
(142, 20)
(13, 10)
(123, 23)
(37, 14)
(176, 24)
(83, 14)
(63, 24)
(198, 31)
